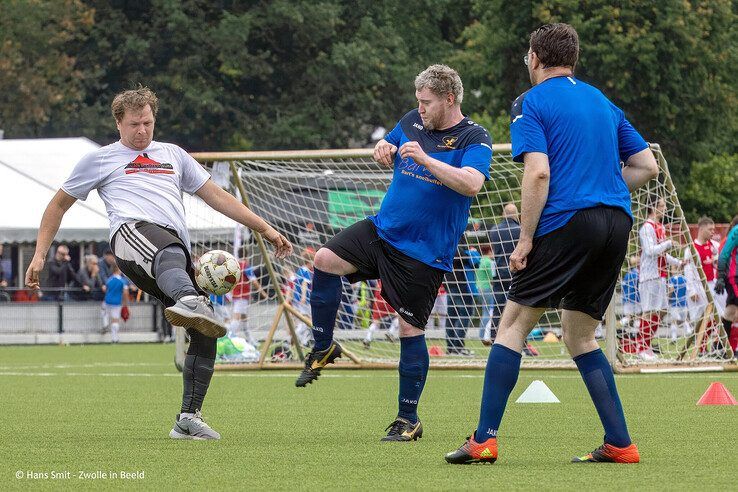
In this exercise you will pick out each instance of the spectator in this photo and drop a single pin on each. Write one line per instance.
(301, 295)
(652, 279)
(61, 274)
(241, 295)
(106, 263)
(346, 308)
(89, 279)
(678, 305)
(460, 299)
(503, 237)
(116, 301)
(476, 233)
(485, 275)
(3, 275)
(382, 314)
(631, 296)
(309, 237)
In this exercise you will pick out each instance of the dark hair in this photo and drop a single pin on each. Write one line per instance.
(556, 45)
(485, 248)
(652, 202)
(705, 221)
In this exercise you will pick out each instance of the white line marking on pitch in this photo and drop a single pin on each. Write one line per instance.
(367, 375)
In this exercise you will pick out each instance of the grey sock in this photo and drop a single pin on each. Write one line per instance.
(170, 268)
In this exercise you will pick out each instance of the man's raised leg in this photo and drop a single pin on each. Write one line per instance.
(500, 376)
(325, 300)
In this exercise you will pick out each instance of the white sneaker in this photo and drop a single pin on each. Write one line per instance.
(192, 428)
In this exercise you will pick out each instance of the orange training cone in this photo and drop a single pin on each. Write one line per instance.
(717, 394)
(435, 351)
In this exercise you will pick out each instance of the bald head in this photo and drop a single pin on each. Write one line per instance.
(510, 211)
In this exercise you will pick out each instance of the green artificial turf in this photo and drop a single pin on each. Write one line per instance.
(110, 408)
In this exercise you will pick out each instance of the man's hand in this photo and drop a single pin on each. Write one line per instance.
(519, 257)
(282, 247)
(384, 153)
(413, 150)
(33, 272)
(720, 285)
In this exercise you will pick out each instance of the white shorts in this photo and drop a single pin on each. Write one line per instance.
(240, 306)
(678, 313)
(720, 300)
(112, 312)
(631, 308)
(653, 295)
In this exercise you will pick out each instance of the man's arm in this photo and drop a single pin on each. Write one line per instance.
(125, 295)
(536, 177)
(466, 180)
(640, 168)
(50, 221)
(650, 243)
(225, 203)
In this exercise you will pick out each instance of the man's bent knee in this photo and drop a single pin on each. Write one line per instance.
(329, 262)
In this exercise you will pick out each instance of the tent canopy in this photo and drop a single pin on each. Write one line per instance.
(31, 172)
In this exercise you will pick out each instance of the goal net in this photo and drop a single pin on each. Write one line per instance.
(312, 195)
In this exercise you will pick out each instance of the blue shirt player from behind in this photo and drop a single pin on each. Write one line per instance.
(440, 160)
(116, 297)
(574, 228)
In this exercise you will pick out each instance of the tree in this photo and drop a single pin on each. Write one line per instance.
(39, 80)
(712, 189)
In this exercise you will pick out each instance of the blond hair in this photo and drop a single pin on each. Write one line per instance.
(134, 99)
(441, 80)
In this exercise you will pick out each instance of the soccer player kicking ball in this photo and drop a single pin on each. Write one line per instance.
(440, 159)
(574, 234)
(141, 182)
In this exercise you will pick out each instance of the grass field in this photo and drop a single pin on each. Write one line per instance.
(110, 408)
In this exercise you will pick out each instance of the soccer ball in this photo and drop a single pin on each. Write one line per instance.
(219, 272)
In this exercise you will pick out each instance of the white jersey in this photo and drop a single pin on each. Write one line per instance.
(139, 184)
(653, 251)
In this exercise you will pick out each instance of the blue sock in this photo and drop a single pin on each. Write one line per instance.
(500, 376)
(598, 378)
(414, 362)
(325, 298)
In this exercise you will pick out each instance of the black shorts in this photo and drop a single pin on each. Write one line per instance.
(135, 245)
(577, 266)
(408, 285)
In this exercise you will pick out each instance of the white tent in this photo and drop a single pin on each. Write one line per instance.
(31, 172)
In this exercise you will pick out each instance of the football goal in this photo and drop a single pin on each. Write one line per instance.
(311, 195)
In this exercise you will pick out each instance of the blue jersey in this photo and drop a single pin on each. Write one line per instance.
(678, 296)
(629, 286)
(585, 137)
(217, 300)
(420, 216)
(114, 290)
(302, 274)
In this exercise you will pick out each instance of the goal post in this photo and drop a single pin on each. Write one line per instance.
(312, 195)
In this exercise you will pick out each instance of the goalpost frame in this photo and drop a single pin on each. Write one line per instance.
(284, 308)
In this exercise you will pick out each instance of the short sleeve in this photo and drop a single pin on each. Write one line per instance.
(478, 154)
(85, 177)
(526, 128)
(194, 175)
(395, 135)
(629, 140)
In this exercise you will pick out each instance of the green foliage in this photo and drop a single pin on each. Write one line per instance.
(712, 189)
(287, 74)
